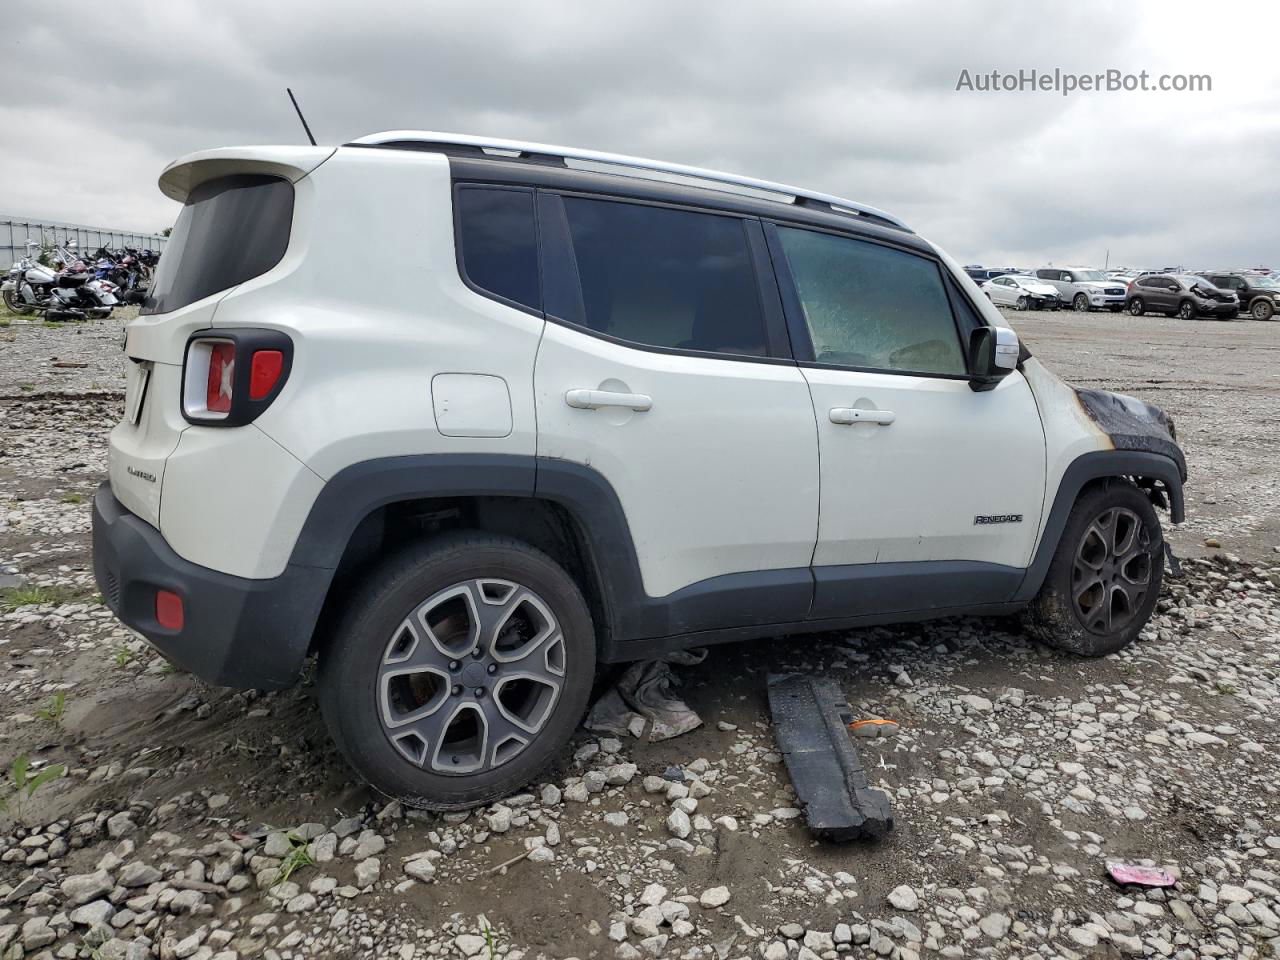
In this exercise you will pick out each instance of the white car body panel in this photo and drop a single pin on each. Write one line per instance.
(911, 490)
(719, 476)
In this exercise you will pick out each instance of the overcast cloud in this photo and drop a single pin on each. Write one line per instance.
(856, 99)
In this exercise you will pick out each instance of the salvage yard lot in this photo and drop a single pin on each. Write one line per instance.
(1017, 775)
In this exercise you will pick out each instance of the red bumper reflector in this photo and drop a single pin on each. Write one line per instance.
(169, 609)
(264, 372)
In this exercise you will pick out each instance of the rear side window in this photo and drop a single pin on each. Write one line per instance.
(232, 229)
(872, 306)
(666, 278)
(497, 243)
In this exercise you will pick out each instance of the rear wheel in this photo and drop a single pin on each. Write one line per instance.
(1105, 576)
(459, 672)
(1261, 309)
(1137, 307)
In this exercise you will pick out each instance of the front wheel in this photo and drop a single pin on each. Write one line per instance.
(1022, 303)
(1261, 310)
(459, 672)
(1187, 310)
(1105, 576)
(1080, 303)
(15, 304)
(1136, 306)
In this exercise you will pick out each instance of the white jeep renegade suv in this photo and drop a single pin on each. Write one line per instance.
(605, 409)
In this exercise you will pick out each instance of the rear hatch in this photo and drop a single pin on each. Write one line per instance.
(235, 225)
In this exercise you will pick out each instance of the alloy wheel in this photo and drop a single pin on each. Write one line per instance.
(1112, 571)
(1262, 310)
(471, 676)
(1135, 307)
(1186, 311)
(1080, 303)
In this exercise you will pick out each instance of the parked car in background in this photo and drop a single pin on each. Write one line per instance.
(1122, 276)
(1259, 295)
(1180, 295)
(1085, 289)
(981, 275)
(1023, 292)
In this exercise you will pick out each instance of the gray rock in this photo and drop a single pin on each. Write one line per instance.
(138, 874)
(92, 914)
(714, 897)
(995, 925)
(678, 824)
(84, 887)
(121, 825)
(37, 933)
(367, 872)
(421, 868)
(903, 898)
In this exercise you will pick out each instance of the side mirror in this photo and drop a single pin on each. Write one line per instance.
(993, 355)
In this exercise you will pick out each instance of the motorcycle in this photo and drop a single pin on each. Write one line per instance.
(62, 294)
(127, 269)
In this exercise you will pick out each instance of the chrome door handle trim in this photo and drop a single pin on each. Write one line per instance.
(845, 415)
(594, 399)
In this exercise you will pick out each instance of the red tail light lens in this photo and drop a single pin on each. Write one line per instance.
(169, 613)
(222, 369)
(264, 373)
(230, 376)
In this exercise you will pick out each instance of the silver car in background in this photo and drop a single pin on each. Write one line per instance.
(1085, 288)
(1023, 292)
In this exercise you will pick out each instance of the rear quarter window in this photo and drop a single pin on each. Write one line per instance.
(498, 243)
(231, 229)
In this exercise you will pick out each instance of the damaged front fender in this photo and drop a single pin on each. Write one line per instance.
(1134, 424)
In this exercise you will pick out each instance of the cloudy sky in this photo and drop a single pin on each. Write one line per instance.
(853, 98)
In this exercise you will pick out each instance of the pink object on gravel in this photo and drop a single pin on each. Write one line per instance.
(1142, 876)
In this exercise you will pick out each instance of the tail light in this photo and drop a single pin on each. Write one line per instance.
(230, 376)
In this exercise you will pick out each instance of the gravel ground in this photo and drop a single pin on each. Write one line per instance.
(196, 822)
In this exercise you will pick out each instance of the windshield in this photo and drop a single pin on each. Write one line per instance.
(1271, 283)
(1079, 275)
(232, 229)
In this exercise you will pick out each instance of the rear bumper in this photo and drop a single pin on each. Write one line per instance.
(236, 632)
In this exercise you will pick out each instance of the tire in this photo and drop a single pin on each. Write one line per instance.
(1080, 303)
(15, 305)
(1022, 303)
(1098, 616)
(369, 690)
(1137, 307)
(1260, 309)
(1186, 310)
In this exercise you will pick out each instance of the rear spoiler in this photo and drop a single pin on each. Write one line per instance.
(292, 163)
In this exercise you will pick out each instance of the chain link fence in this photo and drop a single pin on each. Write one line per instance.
(16, 231)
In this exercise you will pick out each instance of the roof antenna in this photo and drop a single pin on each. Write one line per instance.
(300, 116)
